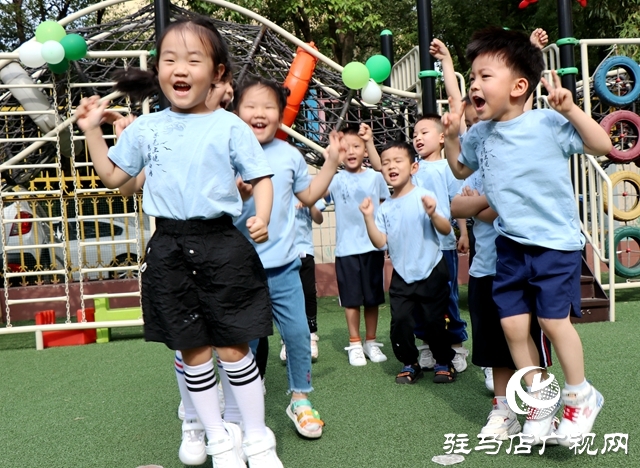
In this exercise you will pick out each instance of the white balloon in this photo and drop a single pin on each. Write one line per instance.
(30, 53)
(52, 52)
(371, 94)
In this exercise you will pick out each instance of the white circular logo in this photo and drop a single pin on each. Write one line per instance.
(541, 401)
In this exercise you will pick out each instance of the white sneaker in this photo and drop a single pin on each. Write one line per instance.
(181, 411)
(192, 448)
(372, 351)
(227, 452)
(283, 351)
(488, 378)
(426, 359)
(459, 361)
(580, 412)
(261, 453)
(356, 355)
(314, 347)
(501, 423)
(541, 427)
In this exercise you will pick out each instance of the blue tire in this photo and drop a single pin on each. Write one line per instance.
(600, 81)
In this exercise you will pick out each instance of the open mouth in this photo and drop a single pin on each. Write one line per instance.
(478, 102)
(259, 126)
(352, 160)
(181, 88)
(393, 175)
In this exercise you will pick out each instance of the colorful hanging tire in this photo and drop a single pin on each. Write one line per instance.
(627, 256)
(623, 128)
(629, 194)
(621, 93)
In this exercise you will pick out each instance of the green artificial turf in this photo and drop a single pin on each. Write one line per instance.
(114, 405)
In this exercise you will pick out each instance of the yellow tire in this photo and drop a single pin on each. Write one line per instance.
(631, 208)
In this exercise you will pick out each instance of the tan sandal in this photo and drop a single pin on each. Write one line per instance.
(303, 416)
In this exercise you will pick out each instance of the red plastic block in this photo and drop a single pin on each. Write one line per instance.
(66, 337)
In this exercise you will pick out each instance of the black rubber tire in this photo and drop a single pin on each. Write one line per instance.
(617, 155)
(619, 235)
(600, 81)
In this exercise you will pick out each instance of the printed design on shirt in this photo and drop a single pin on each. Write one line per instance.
(350, 191)
(159, 144)
(487, 158)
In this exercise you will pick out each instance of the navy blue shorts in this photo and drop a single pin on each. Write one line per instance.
(537, 280)
(360, 279)
(490, 348)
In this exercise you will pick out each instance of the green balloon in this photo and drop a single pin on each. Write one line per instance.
(59, 68)
(75, 47)
(49, 31)
(379, 68)
(355, 75)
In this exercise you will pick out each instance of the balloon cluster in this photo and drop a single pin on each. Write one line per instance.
(52, 46)
(367, 77)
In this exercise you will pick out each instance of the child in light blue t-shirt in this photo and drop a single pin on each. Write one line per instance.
(410, 224)
(261, 103)
(359, 264)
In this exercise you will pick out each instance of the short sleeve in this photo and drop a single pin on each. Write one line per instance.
(247, 156)
(380, 224)
(383, 190)
(468, 155)
(126, 153)
(301, 178)
(453, 184)
(566, 134)
(320, 205)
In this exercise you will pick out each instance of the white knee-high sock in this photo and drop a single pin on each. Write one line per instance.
(231, 409)
(245, 383)
(189, 410)
(201, 385)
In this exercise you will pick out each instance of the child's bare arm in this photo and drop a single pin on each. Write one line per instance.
(595, 139)
(538, 38)
(263, 197)
(468, 205)
(488, 215)
(451, 123)
(316, 215)
(133, 185)
(366, 134)
(378, 239)
(440, 52)
(442, 225)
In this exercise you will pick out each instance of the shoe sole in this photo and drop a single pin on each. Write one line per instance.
(405, 381)
(190, 459)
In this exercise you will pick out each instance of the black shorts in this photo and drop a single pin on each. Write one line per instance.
(490, 347)
(203, 285)
(360, 279)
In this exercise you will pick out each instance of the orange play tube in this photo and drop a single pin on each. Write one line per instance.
(297, 82)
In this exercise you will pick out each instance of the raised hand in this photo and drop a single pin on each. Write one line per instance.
(451, 119)
(337, 151)
(539, 38)
(257, 229)
(560, 99)
(365, 132)
(90, 113)
(429, 205)
(366, 207)
(469, 192)
(119, 121)
(439, 50)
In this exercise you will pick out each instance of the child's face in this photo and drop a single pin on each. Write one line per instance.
(220, 96)
(427, 138)
(470, 116)
(355, 153)
(259, 109)
(397, 168)
(493, 88)
(186, 72)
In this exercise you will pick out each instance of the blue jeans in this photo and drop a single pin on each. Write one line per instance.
(290, 318)
(457, 327)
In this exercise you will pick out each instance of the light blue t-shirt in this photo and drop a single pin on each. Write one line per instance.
(290, 176)
(437, 177)
(525, 172)
(348, 190)
(413, 242)
(304, 228)
(484, 260)
(190, 162)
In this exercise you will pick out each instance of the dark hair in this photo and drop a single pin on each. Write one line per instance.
(401, 145)
(351, 130)
(435, 118)
(140, 84)
(280, 91)
(520, 55)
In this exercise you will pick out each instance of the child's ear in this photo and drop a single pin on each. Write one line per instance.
(414, 167)
(218, 71)
(520, 87)
(441, 139)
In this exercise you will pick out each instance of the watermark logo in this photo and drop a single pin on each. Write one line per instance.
(541, 401)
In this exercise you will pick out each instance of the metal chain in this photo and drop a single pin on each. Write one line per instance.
(5, 264)
(62, 204)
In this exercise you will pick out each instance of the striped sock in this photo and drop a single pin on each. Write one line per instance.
(201, 385)
(231, 410)
(189, 410)
(246, 385)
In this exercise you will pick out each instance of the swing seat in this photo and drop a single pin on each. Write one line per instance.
(51, 339)
(103, 313)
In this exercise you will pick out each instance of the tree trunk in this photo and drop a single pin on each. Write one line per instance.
(19, 19)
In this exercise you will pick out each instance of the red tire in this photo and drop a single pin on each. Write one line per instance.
(626, 128)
